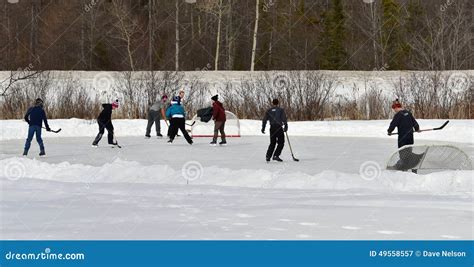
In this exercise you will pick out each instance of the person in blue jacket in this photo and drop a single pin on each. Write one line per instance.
(35, 117)
(176, 114)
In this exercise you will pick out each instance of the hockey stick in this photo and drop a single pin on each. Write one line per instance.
(116, 143)
(291, 150)
(431, 129)
(192, 124)
(57, 131)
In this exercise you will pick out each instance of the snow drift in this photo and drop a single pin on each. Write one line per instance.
(456, 183)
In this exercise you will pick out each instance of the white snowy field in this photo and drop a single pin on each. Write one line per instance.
(152, 190)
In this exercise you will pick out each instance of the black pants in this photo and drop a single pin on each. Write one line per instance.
(179, 124)
(153, 117)
(110, 132)
(277, 136)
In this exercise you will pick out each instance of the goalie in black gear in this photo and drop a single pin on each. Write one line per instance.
(278, 125)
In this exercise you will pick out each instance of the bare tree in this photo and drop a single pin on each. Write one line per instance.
(15, 77)
(126, 26)
(255, 33)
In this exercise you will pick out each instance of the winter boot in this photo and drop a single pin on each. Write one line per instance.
(25, 152)
(42, 153)
(277, 158)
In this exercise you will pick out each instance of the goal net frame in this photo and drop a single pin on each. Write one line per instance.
(210, 124)
(432, 150)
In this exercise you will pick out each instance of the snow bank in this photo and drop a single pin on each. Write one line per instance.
(346, 80)
(453, 183)
(455, 131)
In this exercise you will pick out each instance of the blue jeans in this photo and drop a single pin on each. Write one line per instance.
(32, 130)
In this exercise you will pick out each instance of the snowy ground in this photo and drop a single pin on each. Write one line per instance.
(152, 190)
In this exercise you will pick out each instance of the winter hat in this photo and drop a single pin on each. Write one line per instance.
(275, 102)
(38, 102)
(396, 104)
(176, 100)
(115, 104)
(214, 98)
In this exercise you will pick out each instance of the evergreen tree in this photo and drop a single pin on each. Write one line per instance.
(414, 26)
(395, 49)
(334, 36)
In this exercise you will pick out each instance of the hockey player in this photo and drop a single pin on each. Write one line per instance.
(105, 122)
(35, 117)
(157, 111)
(181, 98)
(218, 114)
(405, 122)
(176, 114)
(278, 125)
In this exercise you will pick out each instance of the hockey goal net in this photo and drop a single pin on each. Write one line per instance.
(206, 129)
(429, 157)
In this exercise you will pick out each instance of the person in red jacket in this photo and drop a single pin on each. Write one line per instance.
(218, 114)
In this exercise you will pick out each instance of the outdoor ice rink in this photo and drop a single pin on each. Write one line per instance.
(149, 189)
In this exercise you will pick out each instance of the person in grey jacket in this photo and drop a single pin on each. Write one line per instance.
(278, 125)
(157, 111)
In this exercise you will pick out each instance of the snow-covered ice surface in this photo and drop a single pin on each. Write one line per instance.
(456, 131)
(152, 190)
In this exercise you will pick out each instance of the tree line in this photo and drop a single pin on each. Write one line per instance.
(186, 35)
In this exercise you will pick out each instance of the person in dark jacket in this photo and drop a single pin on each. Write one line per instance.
(35, 117)
(105, 122)
(278, 125)
(176, 114)
(405, 122)
(218, 114)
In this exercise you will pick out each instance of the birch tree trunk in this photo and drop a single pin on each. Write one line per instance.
(255, 32)
(177, 37)
(218, 38)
